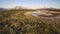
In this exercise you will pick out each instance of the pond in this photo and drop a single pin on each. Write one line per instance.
(44, 15)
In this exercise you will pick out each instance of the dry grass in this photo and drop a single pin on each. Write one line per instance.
(15, 22)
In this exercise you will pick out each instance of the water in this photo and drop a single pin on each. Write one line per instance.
(37, 14)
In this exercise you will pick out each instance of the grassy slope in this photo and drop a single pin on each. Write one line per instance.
(15, 22)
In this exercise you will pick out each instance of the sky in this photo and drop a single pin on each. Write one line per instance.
(30, 3)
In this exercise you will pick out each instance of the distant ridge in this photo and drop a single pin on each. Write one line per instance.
(1, 9)
(53, 9)
(20, 8)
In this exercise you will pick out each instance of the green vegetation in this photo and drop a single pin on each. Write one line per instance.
(15, 22)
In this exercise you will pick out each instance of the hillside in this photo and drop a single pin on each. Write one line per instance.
(49, 9)
(16, 22)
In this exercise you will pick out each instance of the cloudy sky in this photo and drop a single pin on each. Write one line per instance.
(30, 3)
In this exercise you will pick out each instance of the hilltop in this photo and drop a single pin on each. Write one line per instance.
(16, 22)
